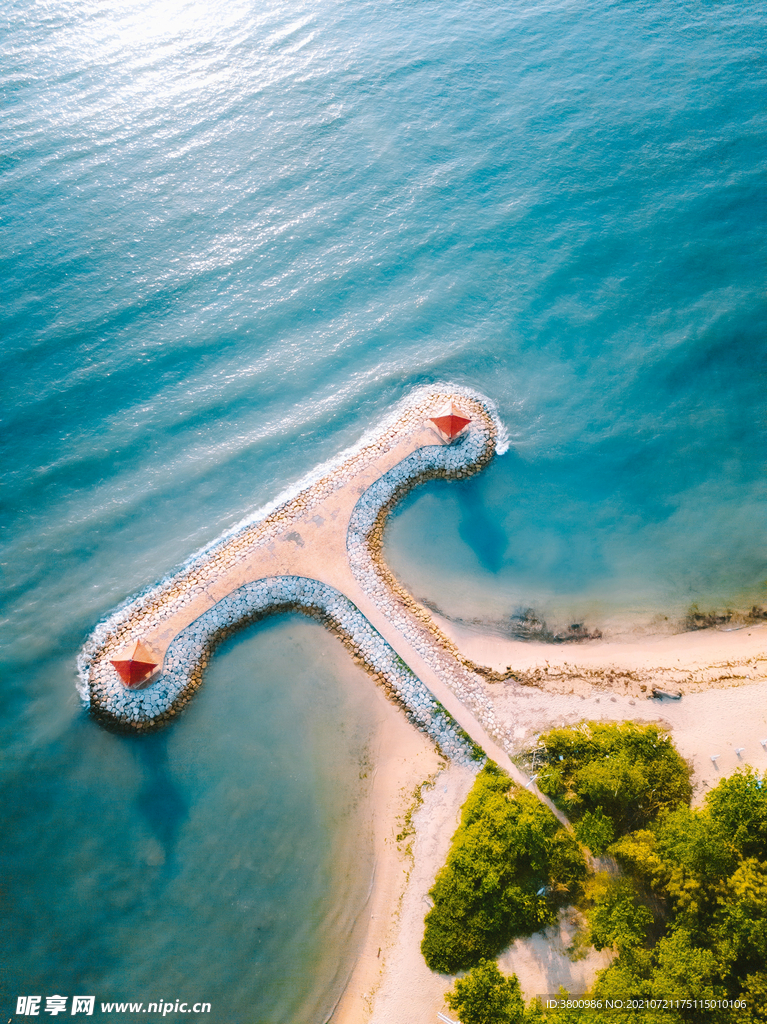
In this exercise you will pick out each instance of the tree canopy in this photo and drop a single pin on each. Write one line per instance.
(485, 996)
(686, 916)
(625, 772)
(510, 864)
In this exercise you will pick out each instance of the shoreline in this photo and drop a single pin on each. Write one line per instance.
(404, 759)
(723, 676)
(690, 660)
(470, 691)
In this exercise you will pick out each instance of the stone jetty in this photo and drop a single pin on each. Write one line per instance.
(319, 551)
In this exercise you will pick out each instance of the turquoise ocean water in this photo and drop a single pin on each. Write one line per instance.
(231, 235)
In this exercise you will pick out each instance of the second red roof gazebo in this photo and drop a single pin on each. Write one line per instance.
(450, 423)
(136, 665)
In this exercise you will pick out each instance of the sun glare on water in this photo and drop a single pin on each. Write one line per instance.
(142, 54)
(141, 22)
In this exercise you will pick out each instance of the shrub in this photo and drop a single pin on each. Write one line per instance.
(595, 831)
(617, 919)
(738, 806)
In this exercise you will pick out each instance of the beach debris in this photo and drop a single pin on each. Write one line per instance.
(524, 624)
(528, 625)
(668, 694)
(696, 619)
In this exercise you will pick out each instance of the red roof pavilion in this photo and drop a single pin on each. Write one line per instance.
(136, 664)
(451, 423)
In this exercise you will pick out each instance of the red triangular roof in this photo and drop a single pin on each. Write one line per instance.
(136, 664)
(451, 424)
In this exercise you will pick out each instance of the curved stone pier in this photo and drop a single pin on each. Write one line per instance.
(318, 551)
(190, 650)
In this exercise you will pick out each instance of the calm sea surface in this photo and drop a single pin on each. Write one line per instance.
(231, 235)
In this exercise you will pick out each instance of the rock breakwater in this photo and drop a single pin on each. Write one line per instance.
(316, 551)
(188, 655)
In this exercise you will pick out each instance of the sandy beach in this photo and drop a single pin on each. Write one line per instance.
(722, 675)
(723, 714)
(404, 758)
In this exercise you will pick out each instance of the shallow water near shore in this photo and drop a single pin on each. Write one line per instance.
(232, 236)
(226, 860)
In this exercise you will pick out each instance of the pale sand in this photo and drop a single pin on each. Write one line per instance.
(722, 674)
(409, 992)
(724, 678)
(541, 962)
(404, 758)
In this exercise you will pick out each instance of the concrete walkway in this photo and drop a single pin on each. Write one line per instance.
(310, 542)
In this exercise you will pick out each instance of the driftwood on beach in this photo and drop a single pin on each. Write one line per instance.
(668, 694)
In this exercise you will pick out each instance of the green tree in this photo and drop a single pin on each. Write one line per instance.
(485, 996)
(684, 970)
(739, 928)
(509, 865)
(738, 805)
(617, 919)
(695, 858)
(638, 854)
(687, 918)
(595, 831)
(754, 993)
(629, 773)
(676, 969)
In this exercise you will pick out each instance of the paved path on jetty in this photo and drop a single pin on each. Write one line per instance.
(310, 544)
(308, 537)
